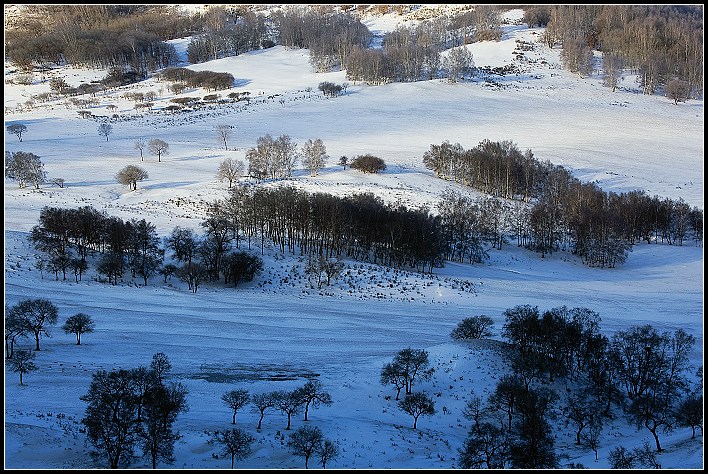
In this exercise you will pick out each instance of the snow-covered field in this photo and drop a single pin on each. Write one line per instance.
(276, 332)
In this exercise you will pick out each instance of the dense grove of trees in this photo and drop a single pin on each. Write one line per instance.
(127, 36)
(361, 226)
(134, 409)
(209, 80)
(228, 31)
(639, 373)
(659, 42)
(562, 212)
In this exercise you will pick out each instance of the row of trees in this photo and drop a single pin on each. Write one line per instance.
(643, 373)
(562, 213)
(209, 80)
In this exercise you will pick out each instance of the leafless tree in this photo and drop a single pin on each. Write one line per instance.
(230, 169)
(140, 144)
(314, 155)
(130, 175)
(223, 132)
(158, 147)
(105, 129)
(677, 90)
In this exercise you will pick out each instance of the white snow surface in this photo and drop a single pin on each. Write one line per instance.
(277, 331)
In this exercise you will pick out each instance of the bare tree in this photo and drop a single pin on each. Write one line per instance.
(314, 155)
(287, 402)
(158, 147)
(417, 404)
(105, 129)
(130, 175)
(327, 451)
(312, 394)
(474, 327)
(223, 132)
(612, 70)
(36, 315)
(17, 129)
(25, 168)
(236, 399)
(13, 329)
(230, 170)
(22, 363)
(235, 443)
(263, 401)
(677, 90)
(78, 324)
(140, 144)
(305, 441)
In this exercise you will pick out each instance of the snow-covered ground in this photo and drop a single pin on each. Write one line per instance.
(275, 332)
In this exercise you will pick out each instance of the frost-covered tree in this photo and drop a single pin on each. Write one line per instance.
(314, 155)
(25, 168)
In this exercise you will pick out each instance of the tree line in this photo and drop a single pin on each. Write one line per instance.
(561, 212)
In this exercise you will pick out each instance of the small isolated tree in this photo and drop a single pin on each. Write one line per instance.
(368, 164)
(677, 90)
(36, 315)
(158, 148)
(230, 170)
(235, 443)
(22, 363)
(17, 129)
(305, 441)
(343, 161)
(78, 324)
(235, 400)
(105, 129)
(417, 404)
(130, 175)
(140, 144)
(475, 327)
(223, 133)
(160, 365)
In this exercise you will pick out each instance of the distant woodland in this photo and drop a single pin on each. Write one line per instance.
(657, 43)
